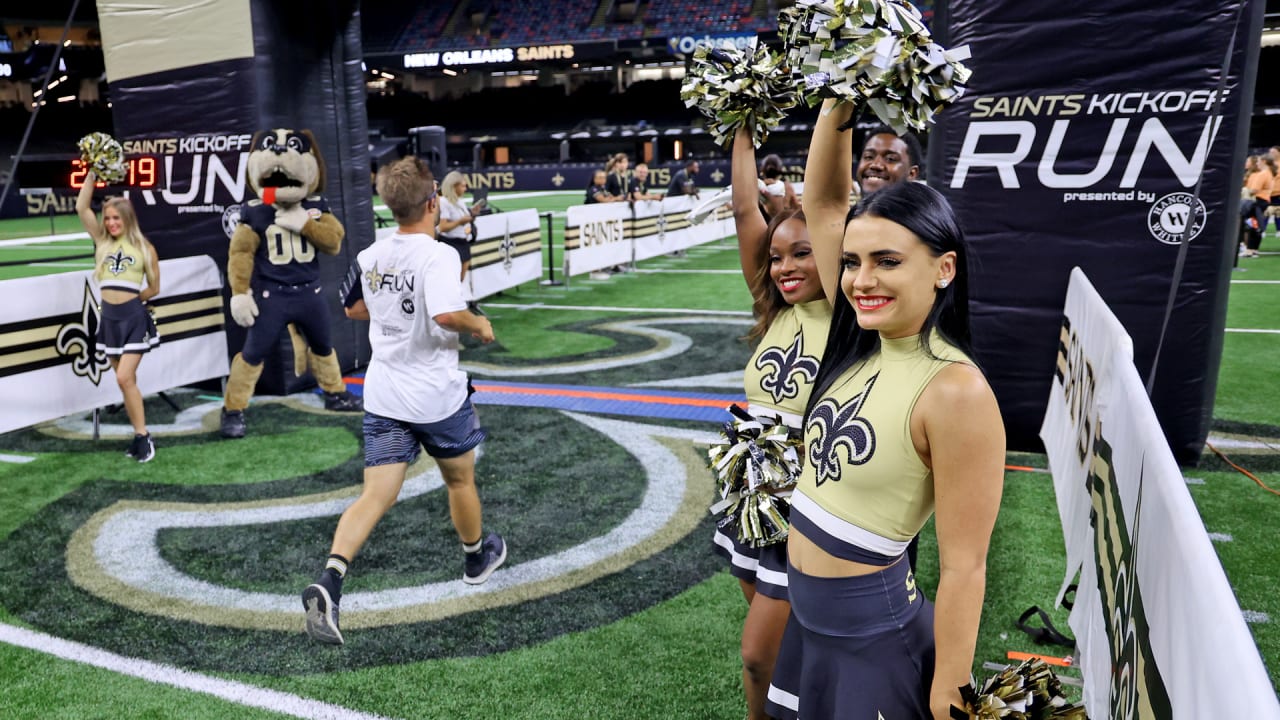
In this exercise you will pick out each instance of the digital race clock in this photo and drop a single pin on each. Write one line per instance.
(142, 171)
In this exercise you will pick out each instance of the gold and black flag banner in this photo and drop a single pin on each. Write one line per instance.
(50, 365)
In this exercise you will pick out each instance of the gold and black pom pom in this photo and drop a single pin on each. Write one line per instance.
(758, 458)
(1029, 691)
(876, 54)
(103, 155)
(736, 89)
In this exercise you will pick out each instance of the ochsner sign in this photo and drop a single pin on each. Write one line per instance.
(1084, 144)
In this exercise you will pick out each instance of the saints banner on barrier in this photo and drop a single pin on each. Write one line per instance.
(50, 367)
(507, 251)
(1159, 633)
(604, 235)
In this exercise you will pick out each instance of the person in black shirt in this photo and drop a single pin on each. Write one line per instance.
(682, 183)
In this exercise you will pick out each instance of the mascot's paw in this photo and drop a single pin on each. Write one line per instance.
(232, 423)
(292, 217)
(243, 309)
(342, 402)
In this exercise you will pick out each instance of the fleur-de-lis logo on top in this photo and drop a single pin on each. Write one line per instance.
(840, 427)
(373, 279)
(662, 227)
(789, 369)
(78, 339)
(118, 261)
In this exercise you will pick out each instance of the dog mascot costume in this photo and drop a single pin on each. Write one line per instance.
(274, 271)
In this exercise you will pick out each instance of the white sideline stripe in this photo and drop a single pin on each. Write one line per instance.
(1225, 443)
(80, 264)
(1254, 330)
(44, 238)
(1255, 616)
(1221, 537)
(1194, 481)
(15, 458)
(1255, 282)
(672, 271)
(229, 690)
(610, 308)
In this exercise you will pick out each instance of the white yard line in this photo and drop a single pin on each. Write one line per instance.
(44, 238)
(607, 308)
(229, 690)
(1254, 330)
(17, 459)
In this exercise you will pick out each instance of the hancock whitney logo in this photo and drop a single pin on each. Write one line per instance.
(1170, 215)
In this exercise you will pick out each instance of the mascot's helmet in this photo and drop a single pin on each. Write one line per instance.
(285, 166)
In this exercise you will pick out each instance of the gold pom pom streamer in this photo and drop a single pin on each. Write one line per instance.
(104, 155)
(737, 89)
(1029, 691)
(759, 457)
(873, 53)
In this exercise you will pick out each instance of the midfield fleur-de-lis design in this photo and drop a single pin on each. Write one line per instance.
(790, 367)
(77, 339)
(840, 427)
(118, 261)
(507, 249)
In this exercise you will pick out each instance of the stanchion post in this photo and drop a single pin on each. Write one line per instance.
(551, 263)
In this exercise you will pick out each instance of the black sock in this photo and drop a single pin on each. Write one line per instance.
(335, 571)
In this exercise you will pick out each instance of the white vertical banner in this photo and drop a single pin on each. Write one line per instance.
(596, 237)
(506, 251)
(50, 366)
(1159, 632)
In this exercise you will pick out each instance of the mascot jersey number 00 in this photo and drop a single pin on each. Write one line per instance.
(274, 271)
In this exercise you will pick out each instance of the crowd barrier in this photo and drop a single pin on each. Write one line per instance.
(608, 234)
(506, 251)
(50, 367)
(1159, 633)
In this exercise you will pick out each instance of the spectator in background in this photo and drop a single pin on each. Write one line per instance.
(776, 193)
(887, 158)
(683, 181)
(455, 228)
(597, 192)
(617, 179)
(1259, 184)
(640, 184)
(1273, 209)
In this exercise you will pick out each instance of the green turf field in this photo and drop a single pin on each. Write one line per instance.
(652, 633)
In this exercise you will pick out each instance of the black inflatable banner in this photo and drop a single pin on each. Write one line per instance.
(1082, 142)
(194, 101)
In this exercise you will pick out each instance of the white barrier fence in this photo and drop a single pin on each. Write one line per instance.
(505, 253)
(49, 366)
(1159, 633)
(607, 234)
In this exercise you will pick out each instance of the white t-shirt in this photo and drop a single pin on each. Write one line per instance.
(414, 375)
(453, 211)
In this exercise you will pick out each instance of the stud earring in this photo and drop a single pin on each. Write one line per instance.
(943, 283)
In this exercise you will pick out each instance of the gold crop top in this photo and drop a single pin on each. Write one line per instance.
(780, 375)
(861, 466)
(121, 265)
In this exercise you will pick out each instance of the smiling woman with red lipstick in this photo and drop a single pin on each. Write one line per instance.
(901, 425)
(792, 315)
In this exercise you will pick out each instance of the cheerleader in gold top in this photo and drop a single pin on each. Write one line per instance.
(128, 275)
(901, 425)
(792, 315)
